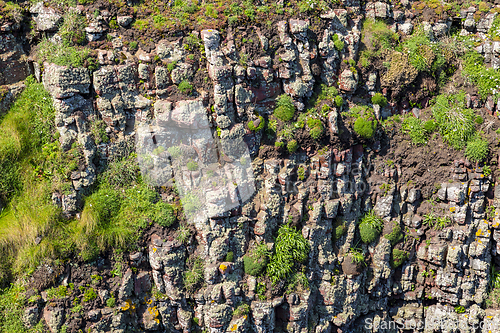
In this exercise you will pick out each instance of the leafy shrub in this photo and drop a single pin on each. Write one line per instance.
(290, 248)
(292, 146)
(479, 120)
(395, 235)
(262, 123)
(185, 87)
(456, 124)
(193, 276)
(255, 262)
(279, 144)
(398, 257)
(301, 173)
(379, 99)
(315, 128)
(370, 227)
(477, 149)
(365, 128)
(337, 43)
(285, 109)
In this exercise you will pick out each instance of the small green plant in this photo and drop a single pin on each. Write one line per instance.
(279, 144)
(192, 166)
(486, 170)
(111, 302)
(193, 276)
(59, 292)
(259, 127)
(416, 129)
(339, 101)
(365, 128)
(301, 173)
(379, 99)
(340, 228)
(256, 260)
(337, 43)
(183, 234)
(285, 109)
(459, 309)
(315, 128)
(229, 256)
(357, 256)
(185, 87)
(133, 45)
(171, 66)
(370, 227)
(89, 295)
(429, 220)
(398, 257)
(261, 291)
(241, 310)
(395, 235)
(477, 149)
(291, 248)
(442, 222)
(292, 146)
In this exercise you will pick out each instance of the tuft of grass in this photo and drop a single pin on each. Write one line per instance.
(62, 55)
(477, 149)
(193, 276)
(398, 257)
(256, 260)
(72, 29)
(379, 99)
(185, 87)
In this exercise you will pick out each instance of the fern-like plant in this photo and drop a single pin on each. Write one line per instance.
(290, 248)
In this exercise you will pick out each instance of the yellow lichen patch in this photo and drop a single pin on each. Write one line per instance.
(452, 209)
(489, 317)
(153, 311)
(128, 306)
(154, 249)
(222, 267)
(479, 232)
(149, 301)
(234, 328)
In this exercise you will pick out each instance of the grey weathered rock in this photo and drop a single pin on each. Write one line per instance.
(46, 18)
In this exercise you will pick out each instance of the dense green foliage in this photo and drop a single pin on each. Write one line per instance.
(455, 122)
(290, 248)
(418, 130)
(315, 127)
(292, 146)
(62, 55)
(338, 44)
(477, 149)
(370, 227)
(185, 87)
(487, 80)
(285, 109)
(365, 127)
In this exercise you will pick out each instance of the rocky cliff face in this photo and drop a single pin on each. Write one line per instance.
(324, 188)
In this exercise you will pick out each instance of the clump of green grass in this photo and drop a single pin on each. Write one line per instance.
(315, 127)
(477, 149)
(418, 131)
(357, 256)
(337, 43)
(379, 99)
(285, 109)
(365, 127)
(62, 55)
(72, 30)
(395, 235)
(455, 122)
(370, 227)
(185, 87)
(291, 248)
(193, 276)
(256, 260)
